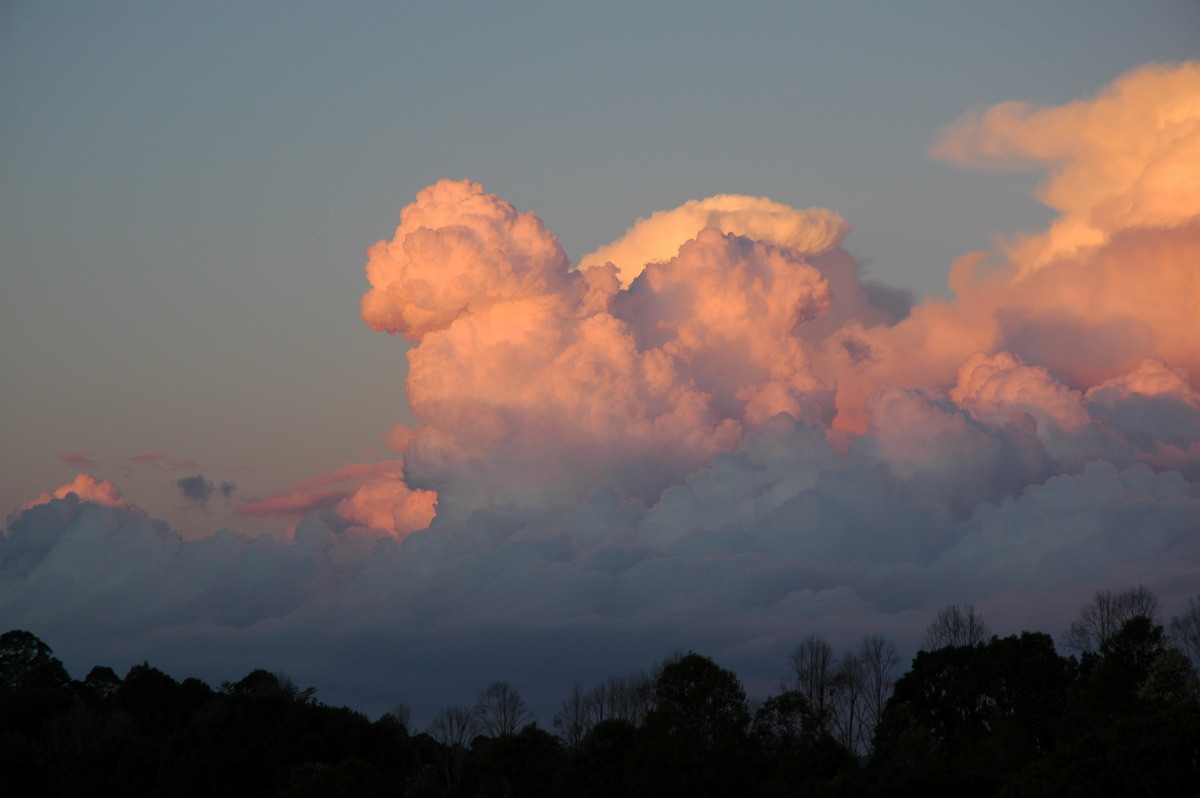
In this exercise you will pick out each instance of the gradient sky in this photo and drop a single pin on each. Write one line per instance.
(189, 191)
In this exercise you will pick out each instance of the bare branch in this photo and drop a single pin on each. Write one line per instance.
(500, 710)
(1103, 618)
(956, 626)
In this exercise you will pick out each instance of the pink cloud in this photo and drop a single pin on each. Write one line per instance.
(372, 494)
(87, 488)
(656, 239)
(734, 430)
(536, 381)
(77, 460)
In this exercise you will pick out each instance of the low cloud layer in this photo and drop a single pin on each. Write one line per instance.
(710, 435)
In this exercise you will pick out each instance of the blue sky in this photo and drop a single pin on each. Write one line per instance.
(189, 189)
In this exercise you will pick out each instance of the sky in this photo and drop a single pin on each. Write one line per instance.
(409, 347)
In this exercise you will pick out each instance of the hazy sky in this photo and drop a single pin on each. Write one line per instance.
(188, 195)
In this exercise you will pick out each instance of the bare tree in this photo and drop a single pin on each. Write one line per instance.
(956, 626)
(574, 718)
(1185, 630)
(812, 673)
(453, 726)
(879, 658)
(622, 697)
(847, 694)
(1104, 617)
(631, 697)
(500, 710)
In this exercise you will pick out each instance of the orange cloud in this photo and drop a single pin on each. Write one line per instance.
(87, 488)
(535, 381)
(1001, 384)
(1129, 157)
(1111, 283)
(457, 250)
(1151, 378)
(375, 495)
(569, 379)
(657, 238)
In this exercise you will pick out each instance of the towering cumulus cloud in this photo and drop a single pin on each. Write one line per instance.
(536, 381)
(712, 434)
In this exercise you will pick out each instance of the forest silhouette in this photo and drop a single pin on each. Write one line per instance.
(975, 714)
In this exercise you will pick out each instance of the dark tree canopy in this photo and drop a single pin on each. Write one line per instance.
(694, 740)
(28, 663)
(999, 716)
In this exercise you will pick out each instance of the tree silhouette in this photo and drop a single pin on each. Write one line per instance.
(813, 676)
(28, 663)
(500, 710)
(574, 718)
(1099, 621)
(956, 626)
(454, 728)
(879, 659)
(1185, 630)
(694, 741)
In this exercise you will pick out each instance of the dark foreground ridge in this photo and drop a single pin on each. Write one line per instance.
(975, 715)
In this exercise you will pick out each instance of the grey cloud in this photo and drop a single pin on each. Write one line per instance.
(199, 490)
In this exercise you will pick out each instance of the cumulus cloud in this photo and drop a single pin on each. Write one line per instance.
(657, 238)
(1127, 158)
(374, 495)
(711, 434)
(84, 486)
(535, 381)
(198, 490)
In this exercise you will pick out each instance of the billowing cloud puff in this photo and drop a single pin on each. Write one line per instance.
(373, 495)
(721, 440)
(87, 488)
(1130, 157)
(1112, 283)
(458, 250)
(535, 381)
(810, 232)
(1151, 378)
(1156, 409)
(1001, 384)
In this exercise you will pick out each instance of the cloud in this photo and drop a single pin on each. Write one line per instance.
(657, 238)
(456, 251)
(374, 495)
(1127, 158)
(77, 460)
(198, 490)
(710, 435)
(86, 488)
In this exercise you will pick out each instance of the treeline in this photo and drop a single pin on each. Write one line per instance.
(974, 715)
